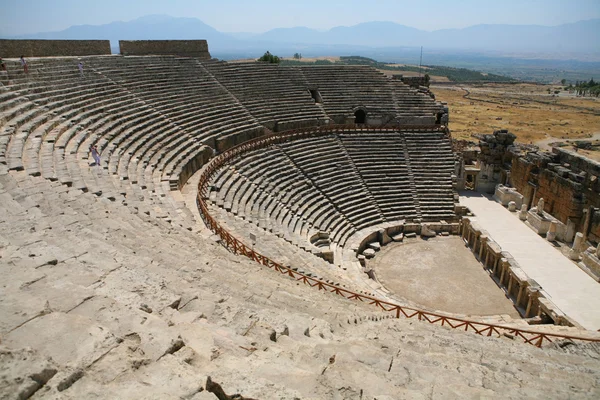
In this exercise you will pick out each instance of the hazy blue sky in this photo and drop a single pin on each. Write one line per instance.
(31, 16)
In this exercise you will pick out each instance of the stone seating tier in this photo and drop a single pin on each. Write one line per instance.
(269, 92)
(345, 87)
(55, 143)
(151, 118)
(337, 183)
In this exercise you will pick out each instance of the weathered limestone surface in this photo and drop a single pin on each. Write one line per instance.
(590, 263)
(114, 304)
(185, 48)
(541, 222)
(491, 159)
(576, 248)
(505, 195)
(567, 181)
(523, 213)
(15, 48)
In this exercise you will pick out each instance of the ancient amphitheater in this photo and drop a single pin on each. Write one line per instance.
(290, 232)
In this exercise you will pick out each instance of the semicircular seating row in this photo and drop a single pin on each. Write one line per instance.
(279, 96)
(344, 87)
(155, 120)
(150, 118)
(146, 115)
(340, 183)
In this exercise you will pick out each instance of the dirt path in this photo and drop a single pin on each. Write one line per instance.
(544, 144)
(517, 97)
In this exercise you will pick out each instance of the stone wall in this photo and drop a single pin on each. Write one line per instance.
(184, 48)
(566, 181)
(415, 81)
(492, 159)
(51, 48)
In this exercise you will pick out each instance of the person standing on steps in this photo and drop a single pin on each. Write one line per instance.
(95, 155)
(24, 64)
(3, 72)
(80, 66)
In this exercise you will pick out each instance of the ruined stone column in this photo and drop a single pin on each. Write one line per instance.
(523, 213)
(540, 207)
(532, 297)
(476, 241)
(496, 264)
(551, 235)
(574, 253)
(588, 219)
(482, 243)
(503, 268)
(512, 206)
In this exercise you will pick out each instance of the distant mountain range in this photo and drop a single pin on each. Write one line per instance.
(579, 37)
(151, 27)
(575, 38)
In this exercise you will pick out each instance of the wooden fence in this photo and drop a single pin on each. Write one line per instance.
(529, 336)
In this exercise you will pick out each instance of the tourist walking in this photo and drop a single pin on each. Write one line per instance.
(95, 155)
(3, 72)
(80, 66)
(24, 64)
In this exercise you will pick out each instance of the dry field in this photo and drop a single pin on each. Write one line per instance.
(526, 110)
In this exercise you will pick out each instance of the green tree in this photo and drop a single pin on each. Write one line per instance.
(270, 58)
(563, 81)
(297, 56)
(427, 79)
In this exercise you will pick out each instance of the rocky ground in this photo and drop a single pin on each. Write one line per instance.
(99, 300)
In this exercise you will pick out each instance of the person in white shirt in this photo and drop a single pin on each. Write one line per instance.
(24, 64)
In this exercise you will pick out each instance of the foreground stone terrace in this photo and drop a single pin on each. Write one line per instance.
(127, 306)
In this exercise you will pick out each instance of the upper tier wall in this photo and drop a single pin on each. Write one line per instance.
(185, 48)
(49, 48)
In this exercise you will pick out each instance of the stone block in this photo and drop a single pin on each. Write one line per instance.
(504, 195)
(369, 253)
(384, 238)
(375, 246)
(398, 237)
(426, 231)
(590, 264)
(541, 223)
